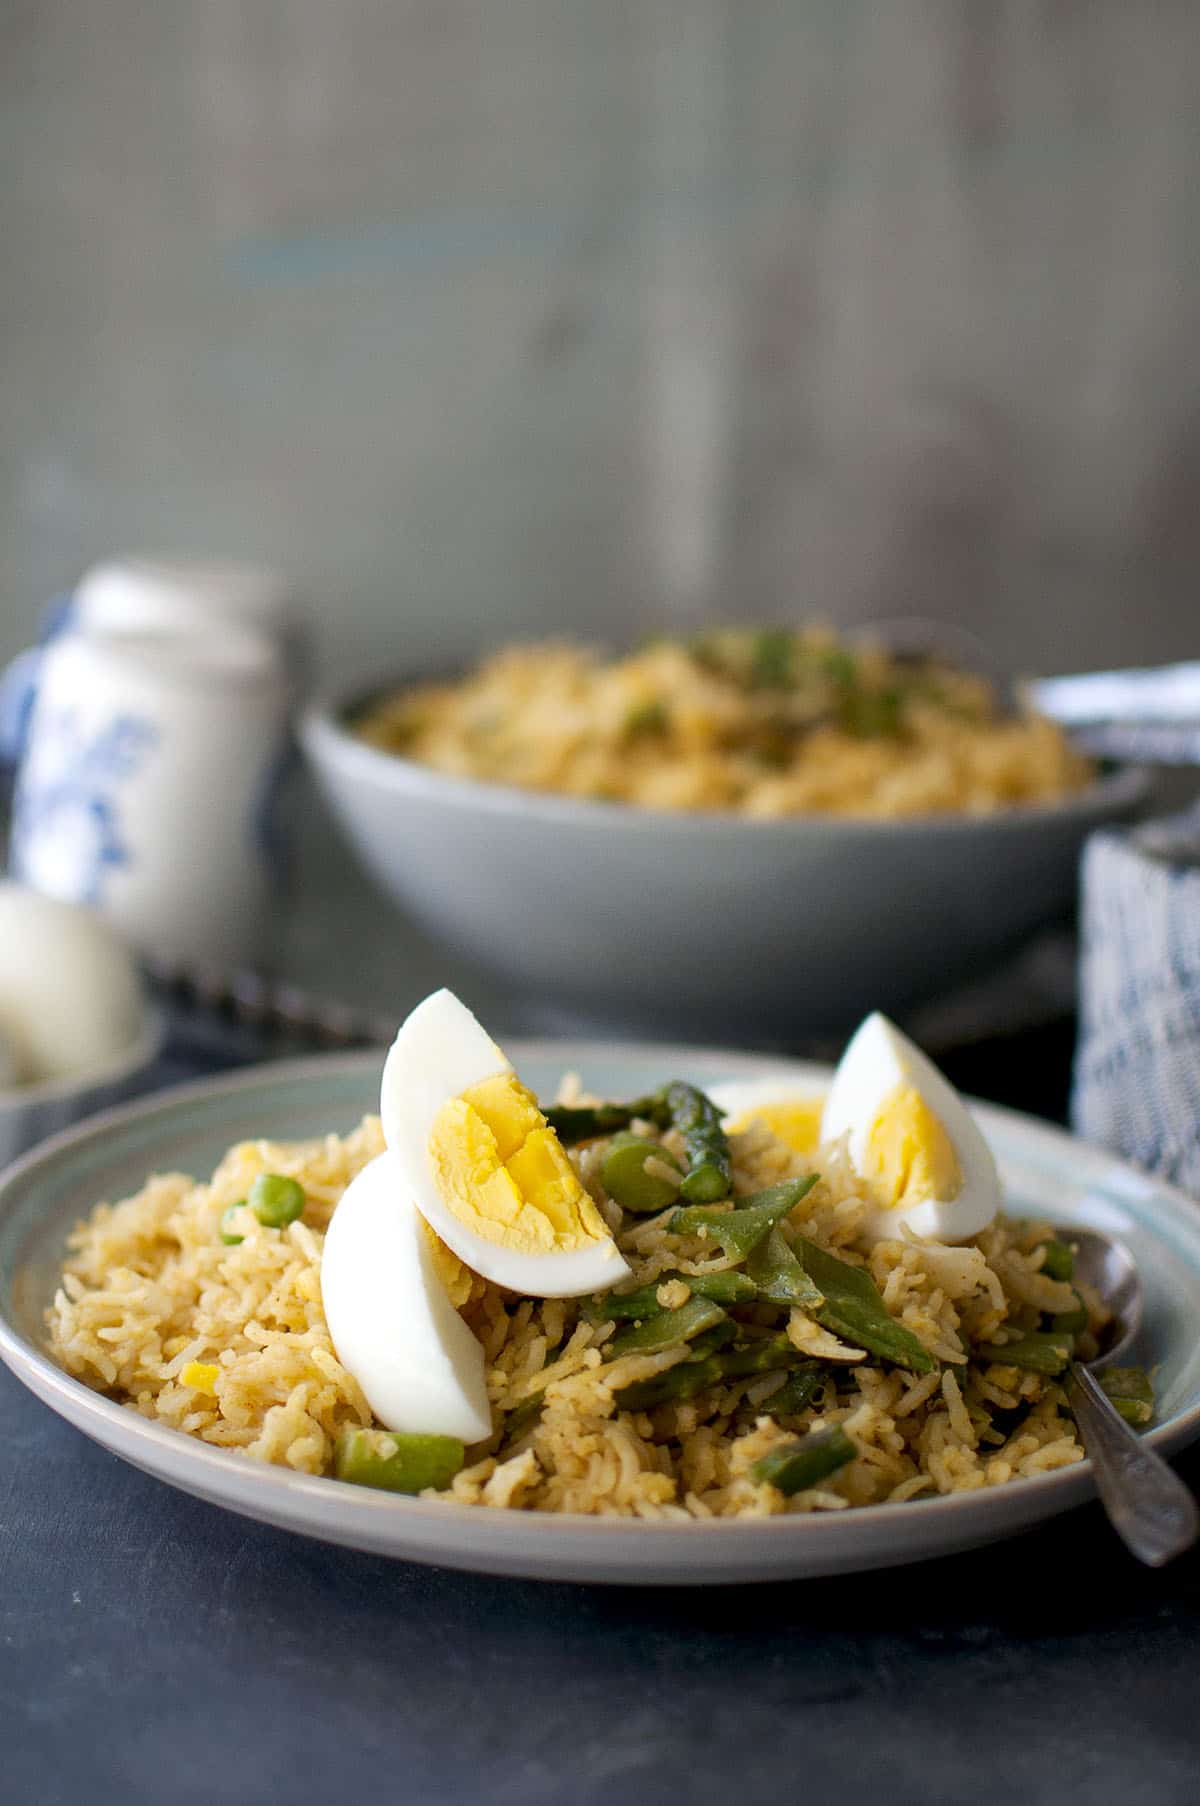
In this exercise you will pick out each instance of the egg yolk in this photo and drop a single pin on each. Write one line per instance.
(908, 1156)
(797, 1122)
(502, 1170)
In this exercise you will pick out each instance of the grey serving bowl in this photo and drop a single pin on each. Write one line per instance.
(703, 924)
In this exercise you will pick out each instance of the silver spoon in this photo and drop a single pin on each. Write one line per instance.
(1148, 1505)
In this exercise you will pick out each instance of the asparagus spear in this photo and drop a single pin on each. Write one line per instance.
(710, 1165)
(678, 1105)
(573, 1123)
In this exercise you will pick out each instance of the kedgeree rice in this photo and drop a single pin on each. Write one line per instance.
(766, 723)
(823, 1364)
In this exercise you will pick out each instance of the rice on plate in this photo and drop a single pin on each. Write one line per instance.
(791, 1345)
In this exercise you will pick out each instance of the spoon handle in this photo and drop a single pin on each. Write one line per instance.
(1148, 1505)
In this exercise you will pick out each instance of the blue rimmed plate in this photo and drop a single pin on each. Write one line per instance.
(1046, 1173)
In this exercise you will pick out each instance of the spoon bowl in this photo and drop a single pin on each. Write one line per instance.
(1109, 1267)
(1148, 1505)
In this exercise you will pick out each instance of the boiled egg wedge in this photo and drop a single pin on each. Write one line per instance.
(390, 1315)
(481, 1163)
(923, 1159)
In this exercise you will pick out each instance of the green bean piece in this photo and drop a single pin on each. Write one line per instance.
(227, 1235)
(738, 1232)
(853, 1310)
(796, 1393)
(395, 1462)
(710, 1163)
(726, 1287)
(780, 1276)
(625, 1179)
(1038, 1351)
(1059, 1261)
(680, 1382)
(667, 1329)
(521, 1419)
(760, 1356)
(693, 1376)
(276, 1201)
(624, 1307)
(719, 1336)
(1071, 1323)
(1130, 1390)
(793, 1466)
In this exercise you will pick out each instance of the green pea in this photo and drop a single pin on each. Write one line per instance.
(627, 1182)
(227, 1236)
(276, 1201)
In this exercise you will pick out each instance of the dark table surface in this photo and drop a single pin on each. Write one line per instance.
(154, 1649)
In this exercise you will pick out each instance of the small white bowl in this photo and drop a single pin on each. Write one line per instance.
(713, 925)
(29, 1113)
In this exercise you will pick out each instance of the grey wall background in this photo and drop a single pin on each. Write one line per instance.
(491, 318)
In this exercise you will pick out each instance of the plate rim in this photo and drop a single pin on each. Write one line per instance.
(361, 1509)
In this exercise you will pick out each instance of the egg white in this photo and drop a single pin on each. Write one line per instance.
(441, 1050)
(390, 1317)
(877, 1059)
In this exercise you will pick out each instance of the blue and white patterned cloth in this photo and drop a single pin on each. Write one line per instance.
(1137, 1069)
